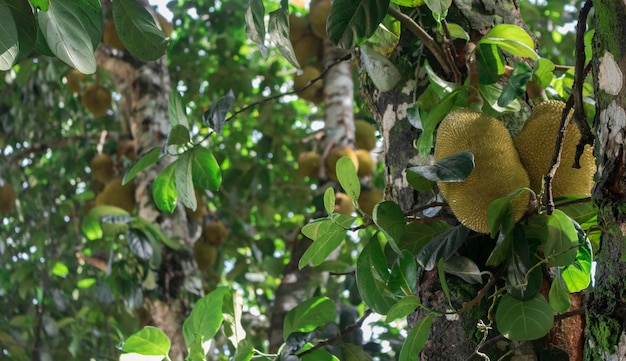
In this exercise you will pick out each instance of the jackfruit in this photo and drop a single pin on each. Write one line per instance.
(308, 50)
(309, 164)
(73, 79)
(194, 216)
(333, 157)
(126, 150)
(215, 233)
(313, 93)
(368, 199)
(497, 170)
(97, 99)
(367, 166)
(535, 144)
(118, 195)
(364, 135)
(205, 255)
(343, 204)
(298, 27)
(318, 16)
(7, 198)
(102, 167)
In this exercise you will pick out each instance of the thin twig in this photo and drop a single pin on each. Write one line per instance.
(481, 294)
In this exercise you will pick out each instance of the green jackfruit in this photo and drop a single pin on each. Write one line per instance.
(497, 171)
(535, 144)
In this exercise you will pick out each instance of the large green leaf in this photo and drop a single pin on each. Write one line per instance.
(205, 170)
(323, 246)
(416, 340)
(317, 228)
(184, 180)
(443, 246)
(516, 86)
(164, 189)
(524, 320)
(417, 235)
(346, 174)
(522, 282)
(26, 26)
(147, 341)
(432, 119)
(391, 220)
(352, 21)
(255, 24)
(9, 41)
(403, 275)
(372, 276)
(577, 275)
(142, 163)
(69, 27)
(489, 63)
(401, 309)
(500, 213)
(464, 268)
(278, 28)
(560, 246)
(511, 38)
(138, 30)
(205, 318)
(558, 295)
(309, 315)
(454, 168)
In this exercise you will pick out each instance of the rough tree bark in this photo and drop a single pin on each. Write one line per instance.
(606, 305)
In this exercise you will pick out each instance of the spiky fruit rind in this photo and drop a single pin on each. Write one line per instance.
(102, 167)
(497, 171)
(343, 204)
(97, 99)
(333, 157)
(7, 198)
(205, 255)
(215, 233)
(118, 195)
(368, 199)
(309, 164)
(535, 144)
(367, 166)
(364, 134)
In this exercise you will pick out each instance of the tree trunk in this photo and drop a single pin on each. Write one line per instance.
(606, 305)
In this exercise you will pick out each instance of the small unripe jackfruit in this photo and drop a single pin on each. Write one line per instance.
(298, 27)
(7, 198)
(118, 195)
(364, 135)
(318, 17)
(309, 164)
(497, 171)
(110, 36)
(215, 233)
(73, 79)
(205, 255)
(368, 199)
(535, 144)
(343, 204)
(333, 157)
(367, 166)
(313, 93)
(97, 99)
(102, 167)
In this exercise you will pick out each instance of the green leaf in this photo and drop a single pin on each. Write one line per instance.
(418, 182)
(346, 174)
(309, 315)
(560, 247)
(511, 38)
(155, 232)
(138, 30)
(464, 268)
(232, 309)
(391, 220)
(352, 21)
(580, 212)
(524, 320)
(489, 63)
(501, 214)
(417, 235)
(577, 275)
(372, 276)
(440, 86)
(255, 25)
(443, 246)
(317, 228)
(321, 354)
(402, 308)
(176, 111)
(381, 70)
(215, 116)
(439, 8)
(178, 135)
(503, 246)
(68, 27)
(522, 282)
(443, 282)
(27, 29)
(147, 341)
(457, 32)
(432, 119)
(455, 168)
(139, 243)
(490, 94)
(164, 189)
(244, 352)
(205, 319)
(352, 352)
(142, 163)
(558, 295)
(278, 28)
(9, 40)
(205, 171)
(322, 247)
(543, 72)
(60, 269)
(516, 86)
(416, 339)
(408, 3)
(184, 181)
(403, 276)
(329, 200)
(42, 5)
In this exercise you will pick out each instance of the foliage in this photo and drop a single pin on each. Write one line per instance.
(89, 270)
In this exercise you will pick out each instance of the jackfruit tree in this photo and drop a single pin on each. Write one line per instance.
(323, 180)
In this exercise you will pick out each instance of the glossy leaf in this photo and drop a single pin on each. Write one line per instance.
(184, 181)
(408, 3)
(351, 21)
(176, 111)
(491, 93)
(147, 341)
(577, 275)
(352, 352)
(558, 295)
(139, 244)
(26, 25)
(581, 212)
(232, 309)
(329, 200)
(417, 235)
(391, 220)
(142, 163)
(503, 246)
(205, 170)
(511, 38)
(215, 116)
(323, 246)
(403, 307)
(440, 86)
(522, 278)
(164, 189)
(560, 247)
(244, 352)
(500, 213)
(321, 354)
(317, 228)
(67, 27)
(543, 72)
(516, 86)
(138, 30)
(205, 319)
(455, 168)
(279, 34)
(443, 246)
(456, 31)
(489, 63)
(346, 174)
(255, 24)
(178, 135)
(403, 276)
(309, 315)
(443, 282)
(9, 40)
(524, 320)
(416, 339)
(432, 119)
(381, 70)
(464, 268)
(372, 276)
(418, 182)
